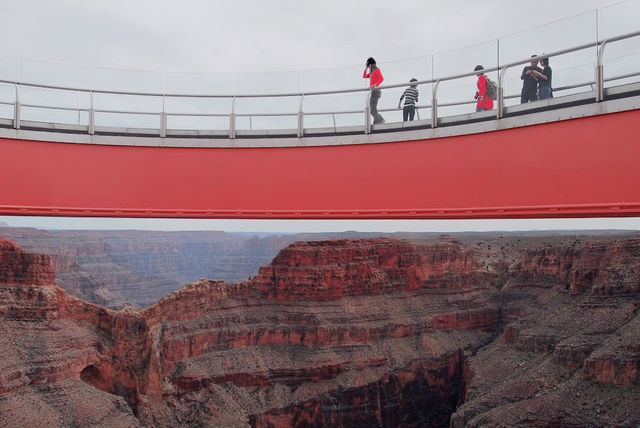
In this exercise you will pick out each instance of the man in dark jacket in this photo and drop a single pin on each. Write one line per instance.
(530, 82)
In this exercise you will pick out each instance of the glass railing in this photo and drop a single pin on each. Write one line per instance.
(321, 100)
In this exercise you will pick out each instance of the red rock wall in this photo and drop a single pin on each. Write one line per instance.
(18, 267)
(329, 270)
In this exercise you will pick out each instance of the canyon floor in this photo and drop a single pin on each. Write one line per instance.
(470, 330)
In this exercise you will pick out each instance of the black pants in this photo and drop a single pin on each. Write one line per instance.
(529, 95)
(408, 112)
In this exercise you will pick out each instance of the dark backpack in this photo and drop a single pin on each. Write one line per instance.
(492, 89)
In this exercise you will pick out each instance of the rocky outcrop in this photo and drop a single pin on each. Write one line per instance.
(571, 358)
(50, 339)
(329, 270)
(18, 267)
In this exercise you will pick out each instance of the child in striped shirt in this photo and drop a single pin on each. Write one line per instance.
(410, 96)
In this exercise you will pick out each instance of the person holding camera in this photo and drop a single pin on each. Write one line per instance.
(544, 80)
(529, 77)
(373, 73)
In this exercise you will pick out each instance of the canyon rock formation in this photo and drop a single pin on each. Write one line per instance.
(120, 268)
(455, 331)
(137, 268)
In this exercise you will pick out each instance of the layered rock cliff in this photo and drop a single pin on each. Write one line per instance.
(360, 332)
(572, 357)
(137, 268)
(119, 268)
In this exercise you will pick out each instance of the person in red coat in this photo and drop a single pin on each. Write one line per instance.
(375, 76)
(484, 101)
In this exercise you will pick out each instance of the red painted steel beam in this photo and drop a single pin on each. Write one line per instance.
(587, 167)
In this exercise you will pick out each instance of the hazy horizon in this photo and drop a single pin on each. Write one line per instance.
(280, 227)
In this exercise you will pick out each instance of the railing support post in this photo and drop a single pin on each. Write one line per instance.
(500, 113)
(92, 116)
(232, 120)
(16, 115)
(367, 113)
(163, 124)
(434, 105)
(600, 73)
(16, 110)
(301, 118)
(163, 120)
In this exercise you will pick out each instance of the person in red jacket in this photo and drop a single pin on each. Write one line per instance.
(484, 101)
(375, 76)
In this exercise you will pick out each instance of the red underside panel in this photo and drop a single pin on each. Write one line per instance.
(581, 167)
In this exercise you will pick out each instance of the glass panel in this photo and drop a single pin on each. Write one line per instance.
(460, 61)
(198, 105)
(279, 105)
(199, 83)
(6, 111)
(332, 103)
(319, 121)
(54, 98)
(573, 72)
(569, 70)
(7, 93)
(333, 79)
(349, 102)
(623, 65)
(45, 73)
(197, 123)
(621, 58)
(268, 105)
(36, 114)
(127, 80)
(402, 71)
(262, 123)
(618, 19)
(8, 68)
(119, 120)
(266, 83)
(274, 122)
(137, 103)
(350, 119)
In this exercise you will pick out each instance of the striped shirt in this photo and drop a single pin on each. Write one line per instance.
(410, 96)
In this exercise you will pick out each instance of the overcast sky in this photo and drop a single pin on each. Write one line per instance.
(269, 35)
(260, 35)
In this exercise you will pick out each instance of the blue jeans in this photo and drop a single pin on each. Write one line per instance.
(408, 112)
(545, 92)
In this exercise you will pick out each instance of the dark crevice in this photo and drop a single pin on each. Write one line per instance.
(93, 376)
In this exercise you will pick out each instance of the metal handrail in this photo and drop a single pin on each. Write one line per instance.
(599, 82)
(321, 113)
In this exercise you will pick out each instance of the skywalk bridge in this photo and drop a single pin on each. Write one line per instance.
(577, 154)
